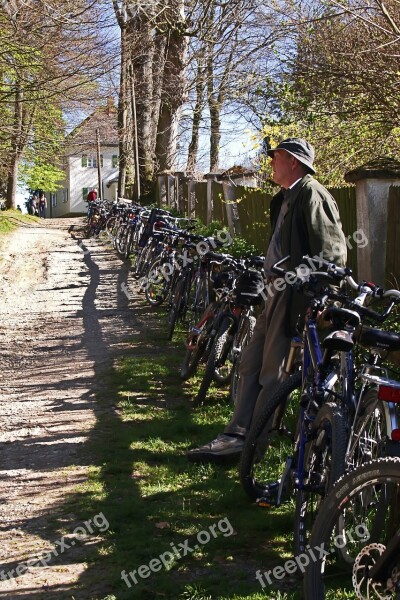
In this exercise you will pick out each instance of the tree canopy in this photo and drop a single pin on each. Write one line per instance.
(325, 70)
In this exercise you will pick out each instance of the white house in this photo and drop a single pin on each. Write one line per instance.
(80, 163)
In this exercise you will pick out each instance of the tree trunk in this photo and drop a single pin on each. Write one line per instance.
(194, 142)
(215, 115)
(123, 116)
(173, 91)
(142, 57)
(16, 149)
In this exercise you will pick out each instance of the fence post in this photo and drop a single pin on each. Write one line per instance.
(191, 200)
(210, 178)
(179, 197)
(170, 180)
(231, 206)
(162, 190)
(372, 182)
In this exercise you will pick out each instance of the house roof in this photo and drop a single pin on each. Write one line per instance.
(104, 118)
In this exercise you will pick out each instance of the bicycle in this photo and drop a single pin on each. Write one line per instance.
(232, 323)
(317, 451)
(366, 504)
(309, 443)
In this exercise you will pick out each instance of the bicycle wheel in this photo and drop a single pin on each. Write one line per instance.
(270, 440)
(218, 367)
(158, 281)
(177, 306)
(120, 239)
(195, 353)
(129, 241)
(323, 465)
(367, 500)
(141, 260)
(240, 341)
(197, 299)
(370, 431)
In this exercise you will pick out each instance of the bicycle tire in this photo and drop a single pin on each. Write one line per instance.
(119, 239)
(368, 485)
(158, 283)
(140, 261)
(215, 353)
(191, 361)
(255, 460)
(197, 299)
(176, 307)
(129, 242)
(370, 431)
(327, 445)
(242, 338)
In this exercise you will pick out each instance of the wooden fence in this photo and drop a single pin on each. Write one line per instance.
(207, 201)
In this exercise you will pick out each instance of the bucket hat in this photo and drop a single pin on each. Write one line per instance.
(300, 149)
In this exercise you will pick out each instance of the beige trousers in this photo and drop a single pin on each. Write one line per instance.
(262, 364)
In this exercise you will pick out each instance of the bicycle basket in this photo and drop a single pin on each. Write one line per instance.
(248, 288)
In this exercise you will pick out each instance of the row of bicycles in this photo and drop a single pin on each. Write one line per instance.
(328, 440)
(211, 296)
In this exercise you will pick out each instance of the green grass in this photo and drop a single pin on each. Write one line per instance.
(9, 220)
(155, 499)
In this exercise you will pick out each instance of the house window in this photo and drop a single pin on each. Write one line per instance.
(85, 192)
(114, 161)
(91, 161)
(53, 199)
(65, 195)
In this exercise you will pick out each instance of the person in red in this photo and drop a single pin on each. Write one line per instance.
(91, 197)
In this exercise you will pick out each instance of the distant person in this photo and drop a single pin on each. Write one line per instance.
(33, 205)
(19, 208)
(42, 206)
(91, 197)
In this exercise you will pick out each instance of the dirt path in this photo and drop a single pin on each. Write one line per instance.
(63, 317)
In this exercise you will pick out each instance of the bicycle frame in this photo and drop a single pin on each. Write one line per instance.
(318, 380)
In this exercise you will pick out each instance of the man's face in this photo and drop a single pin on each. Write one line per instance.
(282, 167)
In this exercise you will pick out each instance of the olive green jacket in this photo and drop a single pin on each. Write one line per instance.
(311, 227)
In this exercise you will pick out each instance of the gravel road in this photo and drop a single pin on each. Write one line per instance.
(63, 319)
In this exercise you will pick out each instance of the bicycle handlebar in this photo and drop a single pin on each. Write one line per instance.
(336, 273)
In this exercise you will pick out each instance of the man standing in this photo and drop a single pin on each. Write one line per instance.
(304, 221)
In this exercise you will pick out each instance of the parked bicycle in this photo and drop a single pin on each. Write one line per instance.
(361, 518)
(306, 424)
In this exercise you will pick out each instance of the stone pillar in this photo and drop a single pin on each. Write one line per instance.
(372, 182)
